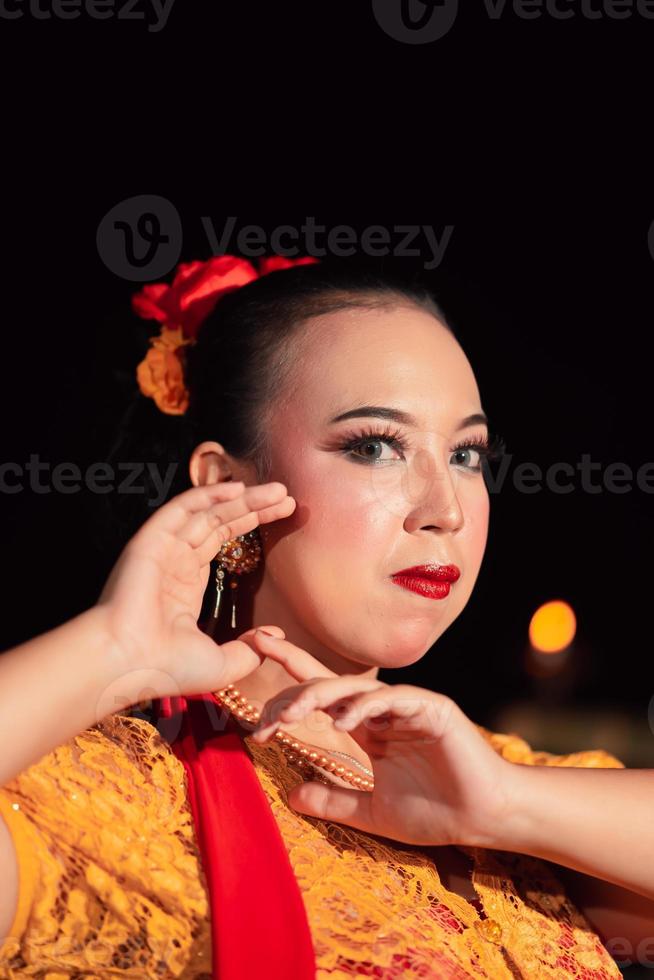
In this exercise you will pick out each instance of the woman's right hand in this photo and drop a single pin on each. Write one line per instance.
(152, 599)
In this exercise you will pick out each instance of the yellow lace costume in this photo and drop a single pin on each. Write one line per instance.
(111, 884)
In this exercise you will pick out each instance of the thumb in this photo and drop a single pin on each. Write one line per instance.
(348, 806)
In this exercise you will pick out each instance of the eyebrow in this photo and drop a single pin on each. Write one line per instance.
(404, 418)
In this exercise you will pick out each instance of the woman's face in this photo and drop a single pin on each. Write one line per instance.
(367, 512)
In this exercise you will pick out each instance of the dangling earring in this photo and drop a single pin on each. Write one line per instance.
(239, 555)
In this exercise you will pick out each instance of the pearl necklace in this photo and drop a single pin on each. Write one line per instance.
(301, 754)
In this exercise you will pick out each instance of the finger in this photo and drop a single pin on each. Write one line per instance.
(249, 638)
(172, 515)
(329, 693)
(352, 807)
(235, 652)
(214, 529)
(241, 525)
(271, 711)
(295, 703)
(397, 715)
(298, 662)
(245, 511)
(254, 505)
(374, 703)
(239, 658)
(274, 630)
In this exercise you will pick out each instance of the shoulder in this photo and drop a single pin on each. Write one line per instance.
(104, 833)
(133, 743)
(116, 777)
(515, 749)
(114, 793)
(120, 754)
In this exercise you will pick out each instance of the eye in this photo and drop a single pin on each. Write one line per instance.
(464, 453)
(365, 447)
(485, 447)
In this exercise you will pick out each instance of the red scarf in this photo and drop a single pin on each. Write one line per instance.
(259, 926)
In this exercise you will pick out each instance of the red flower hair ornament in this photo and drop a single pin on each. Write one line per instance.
(180, 308)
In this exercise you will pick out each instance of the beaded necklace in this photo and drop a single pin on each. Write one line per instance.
(303, 755)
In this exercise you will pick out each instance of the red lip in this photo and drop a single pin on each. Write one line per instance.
(432, 573)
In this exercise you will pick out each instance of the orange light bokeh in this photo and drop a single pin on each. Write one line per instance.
(552, 627)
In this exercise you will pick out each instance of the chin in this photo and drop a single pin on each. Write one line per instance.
(401, 658)
(388, 653)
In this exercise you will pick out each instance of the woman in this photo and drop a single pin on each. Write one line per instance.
(202, 847)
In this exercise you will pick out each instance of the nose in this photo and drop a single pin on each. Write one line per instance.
(432, 496)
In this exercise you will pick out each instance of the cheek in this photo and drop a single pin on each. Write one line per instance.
(338, 517)
(336, 544)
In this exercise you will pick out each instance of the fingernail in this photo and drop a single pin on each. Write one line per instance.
(266, 633)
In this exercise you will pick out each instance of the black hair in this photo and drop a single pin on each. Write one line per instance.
(240, 365)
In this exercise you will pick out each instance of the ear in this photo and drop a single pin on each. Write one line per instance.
(209, 463)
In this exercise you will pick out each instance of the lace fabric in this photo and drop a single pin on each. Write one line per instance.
(378, 908)
(111, 882)
(110, 878)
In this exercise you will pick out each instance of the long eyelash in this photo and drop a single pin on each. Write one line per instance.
(492, 447)
(393, 437)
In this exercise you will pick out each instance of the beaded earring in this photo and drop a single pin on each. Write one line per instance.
(238, 556)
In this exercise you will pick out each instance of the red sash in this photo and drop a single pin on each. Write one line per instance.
(259, 926)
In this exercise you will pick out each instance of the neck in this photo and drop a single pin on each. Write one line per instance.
(270, 678)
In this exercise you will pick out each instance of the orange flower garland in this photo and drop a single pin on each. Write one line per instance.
(161, 373)
(181, 308)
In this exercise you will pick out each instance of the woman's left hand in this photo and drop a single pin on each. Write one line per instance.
(437, 779)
